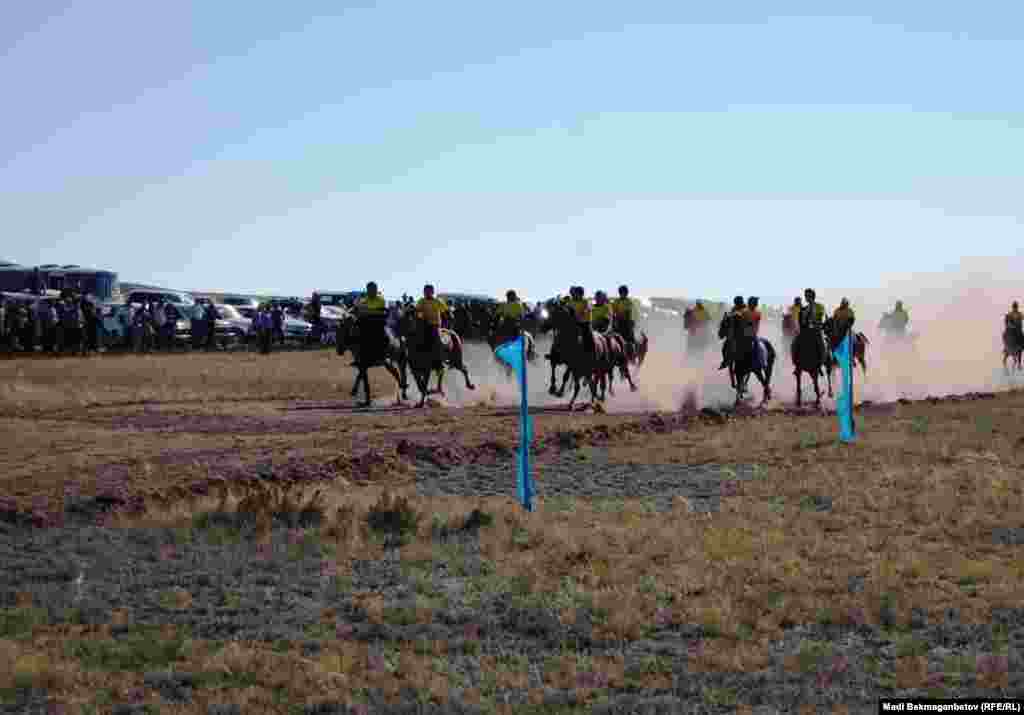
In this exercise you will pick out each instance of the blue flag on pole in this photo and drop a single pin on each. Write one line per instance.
(844, 404)
(513, 354)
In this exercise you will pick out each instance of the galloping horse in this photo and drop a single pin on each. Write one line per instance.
(568, 349)
(378, 349)
(422, 361)
(860, 348)
(744, 362)
(500, 334)
(808, 354)
(617, 356)
(1013, 348)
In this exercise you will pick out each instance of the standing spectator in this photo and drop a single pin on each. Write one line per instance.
(46, 319)
(160, 320)
(140, 320)
(265, 326)
(3, 323)
(277, 323)
(316, 315)
(170, 325)
(198, 325)
(211, 326)
(71, 320)
(90, 336)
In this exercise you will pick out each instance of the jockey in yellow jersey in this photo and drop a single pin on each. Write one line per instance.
(372, 304)
(509, 316)
(812, 317)
(371, 314)
(601, 313)
(1014, 319)
(624, 319)
(580, 307)
(844, 317)
(433, 312)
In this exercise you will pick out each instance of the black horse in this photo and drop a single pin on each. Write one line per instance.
(834, 335)
(810, 355)
(568, 349)
(1013, 348)
(372, 346)
(743, 358)
(423, 360)
(502, 331)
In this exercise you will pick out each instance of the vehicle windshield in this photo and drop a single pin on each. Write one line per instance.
(228, 312)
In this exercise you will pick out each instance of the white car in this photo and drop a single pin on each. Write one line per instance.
(231, 320)
(294, 328)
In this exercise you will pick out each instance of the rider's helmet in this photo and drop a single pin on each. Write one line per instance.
(510, 295)
(738, 301)
(623, 291)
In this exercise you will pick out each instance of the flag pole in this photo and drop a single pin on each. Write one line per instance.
(853, 345)
(523, 430)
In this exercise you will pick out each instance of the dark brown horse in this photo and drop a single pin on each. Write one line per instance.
(744, 360)
(501, 333)
(834, 337)
(1013, 348)
(569, 349)
(371, 345)
(617, 357)
(423, 360)
(808, 352)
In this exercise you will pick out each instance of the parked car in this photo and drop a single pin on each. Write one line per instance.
(159, 296)
(231, 322)
(239, 301)
(294, 328)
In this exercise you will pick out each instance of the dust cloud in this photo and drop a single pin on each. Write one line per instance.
(956, 316)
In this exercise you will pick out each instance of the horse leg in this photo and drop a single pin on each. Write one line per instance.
(552, 390)
(828, 376)
(565, 381)
(461, 366)
(799, 390)
(817, 390)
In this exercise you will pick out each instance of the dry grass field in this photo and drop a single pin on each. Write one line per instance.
(823, 582)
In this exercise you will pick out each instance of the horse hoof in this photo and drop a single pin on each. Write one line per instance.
(471, 387)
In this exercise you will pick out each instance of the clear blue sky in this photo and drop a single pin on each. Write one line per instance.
(689, 149)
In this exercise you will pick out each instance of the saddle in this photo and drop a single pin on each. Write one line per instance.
(447, 339)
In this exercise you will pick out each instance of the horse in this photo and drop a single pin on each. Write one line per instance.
(568, 349)
(423, 362)
(616, 356)
(744, 363)
(1013, 348)
(391, 354)
(860, 347)
(499, 335)
(808, 354)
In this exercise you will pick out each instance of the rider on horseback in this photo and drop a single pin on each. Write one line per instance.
(580, 307)
(843, 317)
(371, 313)
(754, 316)
(739, 311)
(1015, 320)
(812, 317)
(623, 320)
(509, 316)
(601, 314)
(896, 321)
(432, 311)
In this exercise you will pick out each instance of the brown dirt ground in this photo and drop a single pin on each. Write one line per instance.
(915, 499)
